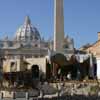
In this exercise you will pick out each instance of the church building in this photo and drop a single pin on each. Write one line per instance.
(27, 48)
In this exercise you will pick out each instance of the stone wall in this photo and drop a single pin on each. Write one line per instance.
(41, 62)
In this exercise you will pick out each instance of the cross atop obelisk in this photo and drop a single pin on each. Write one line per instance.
(58, 26)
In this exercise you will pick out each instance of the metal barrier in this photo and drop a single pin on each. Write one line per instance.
(2, 95)
(27, 96)
(14, 97)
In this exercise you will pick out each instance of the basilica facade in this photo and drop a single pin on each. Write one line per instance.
(27, 45)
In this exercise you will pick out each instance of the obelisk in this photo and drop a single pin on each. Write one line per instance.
(58, 26)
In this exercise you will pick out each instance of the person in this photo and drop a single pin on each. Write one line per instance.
(1, 78)
(59, 73)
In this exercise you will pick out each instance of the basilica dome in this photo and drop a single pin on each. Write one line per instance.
(27, 32)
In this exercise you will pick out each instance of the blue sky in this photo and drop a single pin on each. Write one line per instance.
(81, 18)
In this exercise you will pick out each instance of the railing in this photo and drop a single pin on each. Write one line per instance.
(67, 97)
